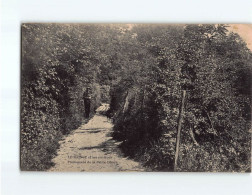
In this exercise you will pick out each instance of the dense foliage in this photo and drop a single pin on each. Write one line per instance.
(144, 69)
(59, 62)
(214, 67)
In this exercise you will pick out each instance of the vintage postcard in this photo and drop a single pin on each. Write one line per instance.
(136, 97)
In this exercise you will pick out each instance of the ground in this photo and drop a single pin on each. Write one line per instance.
(91, 148)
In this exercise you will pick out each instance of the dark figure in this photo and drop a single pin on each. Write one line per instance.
(87, 102)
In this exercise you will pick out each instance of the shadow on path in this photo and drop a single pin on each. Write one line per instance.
(91, 148)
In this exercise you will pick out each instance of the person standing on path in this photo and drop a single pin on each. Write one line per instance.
(87, 101)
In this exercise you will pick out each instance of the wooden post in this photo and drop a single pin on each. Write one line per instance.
(179, 129)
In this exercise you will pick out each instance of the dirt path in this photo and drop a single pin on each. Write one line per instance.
(90, 148)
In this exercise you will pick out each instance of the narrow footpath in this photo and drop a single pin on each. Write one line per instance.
(91, 148)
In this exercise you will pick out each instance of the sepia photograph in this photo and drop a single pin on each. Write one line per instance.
(135, 97)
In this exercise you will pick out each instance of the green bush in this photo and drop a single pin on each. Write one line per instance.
(55, 74)
(214, 67)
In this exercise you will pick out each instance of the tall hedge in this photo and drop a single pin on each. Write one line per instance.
(214, 66)
(59, 62)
